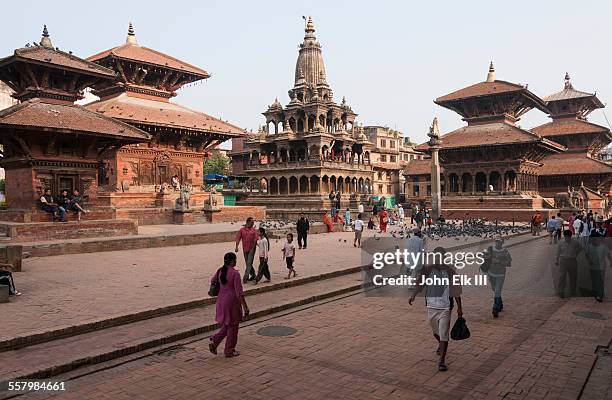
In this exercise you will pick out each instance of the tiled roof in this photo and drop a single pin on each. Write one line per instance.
(493, 134)
(134, 109)
(481, 89)
(67, 118)
(567, 94)
(149, 56)
(573, 163)
(49, 56)
(568, 127)
(419, 167)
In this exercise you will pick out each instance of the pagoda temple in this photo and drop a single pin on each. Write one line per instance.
(137, 175)
(491, 166)
(48, 142)
(310, 146)
(578, 167)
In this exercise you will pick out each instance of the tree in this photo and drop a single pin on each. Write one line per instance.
(217, 164)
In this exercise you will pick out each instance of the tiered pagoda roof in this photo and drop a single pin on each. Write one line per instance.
(569, 109)
(571, 163)
(145, 111)
(494, 134)
(491, 100)
(146, 79)
(48, 81)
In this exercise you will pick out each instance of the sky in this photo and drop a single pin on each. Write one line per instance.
(390, 59)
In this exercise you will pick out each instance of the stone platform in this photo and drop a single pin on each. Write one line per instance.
(518, 208)
(40, 231)
(163, 215)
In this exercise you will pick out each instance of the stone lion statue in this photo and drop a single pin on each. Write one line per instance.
(182, 203)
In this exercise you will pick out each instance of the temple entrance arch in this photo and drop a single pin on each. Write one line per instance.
(481, 182)
(510, 178)
(325, 184)
(293, 185)
(283, 186)
(453, 183)
(466, 183)
(303, 184)
(314, 184)
(495, 181)
(273, 186)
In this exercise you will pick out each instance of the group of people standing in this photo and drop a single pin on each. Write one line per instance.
(585, 233)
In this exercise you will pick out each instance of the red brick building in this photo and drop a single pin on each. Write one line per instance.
(578, 167)
(47, 140)
(491, 166)
(140, 96)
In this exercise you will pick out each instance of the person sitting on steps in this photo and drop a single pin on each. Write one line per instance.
(48, 204)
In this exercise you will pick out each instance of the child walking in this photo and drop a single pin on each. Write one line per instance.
(289, 255)
(263, 246)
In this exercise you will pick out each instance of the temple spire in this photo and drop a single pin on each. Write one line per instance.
(46, 40)
(131, 36)
(491, 74)
(568, 84)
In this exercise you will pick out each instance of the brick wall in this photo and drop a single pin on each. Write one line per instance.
(69, 230)
(237, 213)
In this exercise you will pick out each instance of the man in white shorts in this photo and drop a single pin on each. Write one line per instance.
(439, 300)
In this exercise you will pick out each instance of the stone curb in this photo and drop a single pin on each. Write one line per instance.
(43, 249)
(61, 333)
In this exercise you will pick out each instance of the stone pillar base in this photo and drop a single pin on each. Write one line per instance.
(14, 254)
(183, 217)
(4, 294)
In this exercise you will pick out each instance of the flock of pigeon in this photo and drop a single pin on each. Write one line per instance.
(450, 229)
(462, 230)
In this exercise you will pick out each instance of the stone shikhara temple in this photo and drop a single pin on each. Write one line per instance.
(120, 152)
(313, 145)
(492, 168)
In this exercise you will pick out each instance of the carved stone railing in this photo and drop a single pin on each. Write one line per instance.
(310, 163)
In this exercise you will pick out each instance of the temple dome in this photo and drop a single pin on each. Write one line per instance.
(309, 66)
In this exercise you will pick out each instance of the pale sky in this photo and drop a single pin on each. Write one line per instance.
(389, 58)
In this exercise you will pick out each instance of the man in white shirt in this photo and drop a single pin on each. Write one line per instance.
(401, 214)
(360, 208)
(358, 226)
(415, 245)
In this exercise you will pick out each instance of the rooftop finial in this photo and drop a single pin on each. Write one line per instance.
(131, 36)
(46, 40)
(310, 28)
(568, 84)
(491, 74)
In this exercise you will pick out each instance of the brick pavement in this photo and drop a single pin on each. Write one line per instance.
(67, 290)
(380, 348)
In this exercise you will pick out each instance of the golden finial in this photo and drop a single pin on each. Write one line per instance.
(131, 36)
(568, 84)
(46, 40)
(491, 74)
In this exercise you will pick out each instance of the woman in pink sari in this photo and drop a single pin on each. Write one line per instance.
(230, 306)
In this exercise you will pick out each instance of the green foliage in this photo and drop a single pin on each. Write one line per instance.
(217, 164)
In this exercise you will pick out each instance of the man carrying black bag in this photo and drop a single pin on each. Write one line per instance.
(439, 300)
